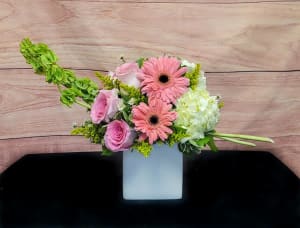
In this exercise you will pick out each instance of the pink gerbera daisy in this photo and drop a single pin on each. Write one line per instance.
(153, 120)
(162, 78)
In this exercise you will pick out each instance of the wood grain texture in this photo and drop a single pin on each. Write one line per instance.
(12, 150)
(224, 37)
(255, 103)
(30, 107)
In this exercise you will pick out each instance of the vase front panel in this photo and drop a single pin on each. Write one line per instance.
(157, 177)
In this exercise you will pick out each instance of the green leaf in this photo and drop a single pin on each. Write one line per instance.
(188, 148)
(140, 62)
(106, 152)
(125, 116)
(203, 142)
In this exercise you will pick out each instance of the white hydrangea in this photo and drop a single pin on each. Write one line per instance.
(198, 112)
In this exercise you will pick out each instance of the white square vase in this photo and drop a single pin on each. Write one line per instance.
(158, 177)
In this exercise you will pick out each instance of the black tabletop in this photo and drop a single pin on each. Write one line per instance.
(224, 189)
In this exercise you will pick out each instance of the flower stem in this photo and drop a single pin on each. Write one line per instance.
(247, 137)
(83, 104)
(236, 141)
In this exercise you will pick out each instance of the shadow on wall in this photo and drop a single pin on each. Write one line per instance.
(85, 188)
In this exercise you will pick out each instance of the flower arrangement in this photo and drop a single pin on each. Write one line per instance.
(153, 100)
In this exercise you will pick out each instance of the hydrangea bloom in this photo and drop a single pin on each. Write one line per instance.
(197, 112)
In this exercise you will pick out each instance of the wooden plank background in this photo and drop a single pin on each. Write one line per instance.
(250, 51)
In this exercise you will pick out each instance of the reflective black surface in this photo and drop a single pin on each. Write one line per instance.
(224, 189)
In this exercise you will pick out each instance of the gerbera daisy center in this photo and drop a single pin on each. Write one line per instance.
(153, 119)
(163, 78)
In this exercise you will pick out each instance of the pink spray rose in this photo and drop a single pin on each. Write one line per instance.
(119, 136)
(105, 106)
(127, 73)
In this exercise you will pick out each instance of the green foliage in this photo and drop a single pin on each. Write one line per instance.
(106, 152)
(39, 56)
(43, 61)
(208, 140)
(143, 147)
(193, 76)
(87, 88)
(68, 96)
(212, 145)
(94, 132)
(131, 93)
(188, 148)
(201, 142)
(140, 62)
(196, 145)
(191, 146)
(220, 104)
(177, 135)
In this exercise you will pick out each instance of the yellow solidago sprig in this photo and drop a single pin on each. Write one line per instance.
(44, 61)
(177, 135)
(94, 132)
(193, 75)
(143, 147)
